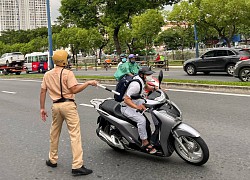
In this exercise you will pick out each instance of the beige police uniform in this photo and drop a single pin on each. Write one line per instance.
(63, 111)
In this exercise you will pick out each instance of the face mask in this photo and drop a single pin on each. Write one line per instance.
(124, 59)
(132, 61)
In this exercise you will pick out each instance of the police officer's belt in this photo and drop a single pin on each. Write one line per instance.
(64, 100)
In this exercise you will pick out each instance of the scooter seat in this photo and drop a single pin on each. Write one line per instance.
(114, 108)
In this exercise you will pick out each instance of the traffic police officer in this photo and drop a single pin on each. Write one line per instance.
(62, 87)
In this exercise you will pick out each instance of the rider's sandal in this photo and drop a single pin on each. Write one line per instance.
(150, 150)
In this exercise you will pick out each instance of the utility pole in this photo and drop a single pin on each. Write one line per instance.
(51, 64)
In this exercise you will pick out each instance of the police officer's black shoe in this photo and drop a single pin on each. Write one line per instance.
(48, 163)
(81, 171)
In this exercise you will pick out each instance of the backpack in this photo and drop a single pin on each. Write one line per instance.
(122, 86)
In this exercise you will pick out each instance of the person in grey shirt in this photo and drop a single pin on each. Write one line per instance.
(130, 107)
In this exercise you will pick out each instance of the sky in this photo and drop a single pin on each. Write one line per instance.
(54, 6)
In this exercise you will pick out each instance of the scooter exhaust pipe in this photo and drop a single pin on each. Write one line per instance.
(111, 140)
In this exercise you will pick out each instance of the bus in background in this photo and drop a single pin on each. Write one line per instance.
(36, 62)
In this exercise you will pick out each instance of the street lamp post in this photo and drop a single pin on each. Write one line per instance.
(196, 41)
(51, 64)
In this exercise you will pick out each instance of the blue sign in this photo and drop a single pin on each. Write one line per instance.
(236, 38)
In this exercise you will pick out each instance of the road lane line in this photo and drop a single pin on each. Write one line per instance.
(8, 92)
(87, 105)
(207, 92)
(25, 80)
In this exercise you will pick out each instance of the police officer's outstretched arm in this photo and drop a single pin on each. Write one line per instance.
(79, 87)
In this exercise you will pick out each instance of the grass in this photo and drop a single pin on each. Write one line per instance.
(26, 76)
(246, 84)
(40, 76)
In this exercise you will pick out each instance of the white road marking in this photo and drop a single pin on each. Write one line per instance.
(8, 92)
(206, 92)
(87, 105)
(25, 80)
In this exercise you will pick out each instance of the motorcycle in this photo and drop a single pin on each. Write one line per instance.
(171, 134)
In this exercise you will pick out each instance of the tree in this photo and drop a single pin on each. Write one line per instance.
(4, 48)
(147, 26)
(126, 38)
(68, 38)
(22, 36)
(107, 13)
(244, 30)
(171, 38)
(97, 40)
(224, 16)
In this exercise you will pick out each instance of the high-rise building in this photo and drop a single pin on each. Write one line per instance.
(22, 14)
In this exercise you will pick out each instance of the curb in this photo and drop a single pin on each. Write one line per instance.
(206, 87)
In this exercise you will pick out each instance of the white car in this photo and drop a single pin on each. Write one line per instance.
(13, 58)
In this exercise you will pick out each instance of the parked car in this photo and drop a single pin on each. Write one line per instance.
(242, 70)
(216, 60)
(10, 59)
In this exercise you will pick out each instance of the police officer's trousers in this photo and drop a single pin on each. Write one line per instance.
(66, 111)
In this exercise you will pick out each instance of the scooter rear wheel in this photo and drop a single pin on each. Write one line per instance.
(198, 153)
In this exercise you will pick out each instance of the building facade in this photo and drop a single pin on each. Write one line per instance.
(22, 14)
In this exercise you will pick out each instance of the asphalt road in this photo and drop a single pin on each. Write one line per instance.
(223, 121)
(172, 73)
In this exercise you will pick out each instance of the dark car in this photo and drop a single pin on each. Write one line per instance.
(242, 70)
(216, 60)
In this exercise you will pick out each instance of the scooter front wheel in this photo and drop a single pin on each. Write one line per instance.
(193, 150)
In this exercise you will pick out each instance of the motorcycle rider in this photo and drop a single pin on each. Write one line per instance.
(130, 107)
(123, 59)
(62, 87)
(122, 68)
(133, 65)
(127, 68)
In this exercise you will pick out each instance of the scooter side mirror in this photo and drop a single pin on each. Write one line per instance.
(160, 77)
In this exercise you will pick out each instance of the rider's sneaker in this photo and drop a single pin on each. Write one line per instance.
(81, 171)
